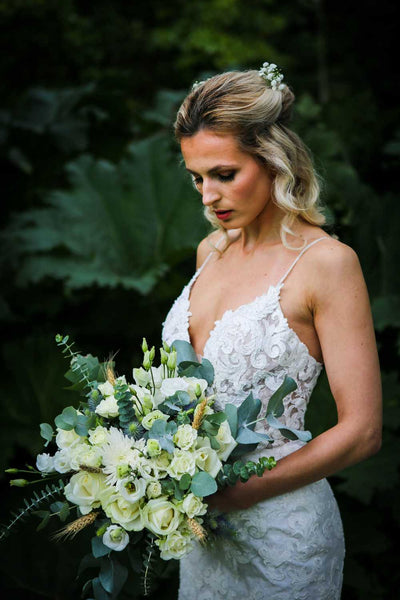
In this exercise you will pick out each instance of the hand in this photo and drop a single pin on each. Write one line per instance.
(238, 497)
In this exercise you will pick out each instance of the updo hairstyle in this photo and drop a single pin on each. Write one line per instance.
(241, 104)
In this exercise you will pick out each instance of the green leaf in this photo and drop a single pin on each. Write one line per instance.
(216, 418)
(99, 591)
(64, 512)
(184, 352)
(288, 432)
(98, 548)
(68, 419)
(247, 436)
(205, 370)
(185, 481)
(231, 412)
(275, 404)
(46, 431)
(44, 522)
(248, 410)
(96, 231)
(112, 575)
(203, 484)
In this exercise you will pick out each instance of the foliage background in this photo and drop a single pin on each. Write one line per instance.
(100, 224)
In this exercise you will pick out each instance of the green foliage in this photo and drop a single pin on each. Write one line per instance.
(203, 484)
(49, 492)
(117, 224)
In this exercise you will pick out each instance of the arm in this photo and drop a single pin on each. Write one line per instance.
(339, 303)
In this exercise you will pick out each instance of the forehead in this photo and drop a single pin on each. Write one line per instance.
(205, 149)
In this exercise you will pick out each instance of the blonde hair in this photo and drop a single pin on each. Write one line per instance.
(240, 103)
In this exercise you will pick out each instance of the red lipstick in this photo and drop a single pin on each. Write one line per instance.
(223, 214)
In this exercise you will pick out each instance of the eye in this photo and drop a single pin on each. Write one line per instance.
(226, 176)
(197, 181)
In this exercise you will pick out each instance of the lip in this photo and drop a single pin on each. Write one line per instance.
(223, 214)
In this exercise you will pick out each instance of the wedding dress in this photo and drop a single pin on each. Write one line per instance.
(289, 547)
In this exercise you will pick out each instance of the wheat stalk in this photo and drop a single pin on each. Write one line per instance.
(199, 414)
(198, 530)
(70, 530)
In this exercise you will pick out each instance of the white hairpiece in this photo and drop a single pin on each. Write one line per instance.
(272, 76)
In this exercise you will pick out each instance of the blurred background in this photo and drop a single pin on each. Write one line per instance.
(100, 223)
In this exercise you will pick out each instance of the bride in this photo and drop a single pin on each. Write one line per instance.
(273, 295)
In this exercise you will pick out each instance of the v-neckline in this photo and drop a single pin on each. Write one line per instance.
(232, 311)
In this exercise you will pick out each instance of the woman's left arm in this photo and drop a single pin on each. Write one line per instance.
(342, 318)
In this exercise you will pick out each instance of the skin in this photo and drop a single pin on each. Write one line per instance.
(325, 300)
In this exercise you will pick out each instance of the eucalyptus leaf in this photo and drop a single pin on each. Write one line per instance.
(231, 412)
(46, 431)
(203, 484)
(184, 352)
(288, 432)
(99, 591)
(275, 404)
(98, 548)
(248, 410)
(247, 436)
(112, 575)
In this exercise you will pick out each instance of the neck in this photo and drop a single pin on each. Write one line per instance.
(265, 229)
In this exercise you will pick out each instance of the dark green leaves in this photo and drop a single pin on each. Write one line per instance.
(188, 363)
(46, 431)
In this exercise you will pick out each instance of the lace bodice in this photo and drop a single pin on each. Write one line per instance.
(252, 348)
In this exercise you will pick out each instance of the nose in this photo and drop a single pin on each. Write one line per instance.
(210, 192)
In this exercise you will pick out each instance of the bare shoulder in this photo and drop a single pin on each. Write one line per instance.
(332, 258)
(334, 272)
(209, 243)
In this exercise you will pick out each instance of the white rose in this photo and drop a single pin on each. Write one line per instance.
(182, 462)
(62, 461)
(98, 436)
(90, 456)
(185, 436)
(85, 489)
(108, 408)
(225, 440)
(193, 506)
(106, 389)
(45, 463)
(162, 463)
(66, 439)
(154, 415)
(207, 459)
(171, 385)
(121, 511)
(153, 489)
(132, 489)
(175, 545)
(115, 538)
(160, 516)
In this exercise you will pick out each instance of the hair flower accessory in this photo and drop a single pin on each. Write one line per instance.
(272, 76)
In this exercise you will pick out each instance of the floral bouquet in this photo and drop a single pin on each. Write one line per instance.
(137, 460)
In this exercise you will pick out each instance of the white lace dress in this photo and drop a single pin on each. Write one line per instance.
(290, 547)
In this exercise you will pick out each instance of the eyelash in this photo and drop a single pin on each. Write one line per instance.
(224, 178)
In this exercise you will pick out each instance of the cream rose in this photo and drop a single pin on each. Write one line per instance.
(225, 440)
(153, 489)
(182, 462)
(84, 489)
(66, 439)
(206, 458)
(45, 463)
(160, 516)
(108, 408)
(175, 545)
(193, 506)
(185, 437)
(121, 511)
(153, 416)
(98, 436)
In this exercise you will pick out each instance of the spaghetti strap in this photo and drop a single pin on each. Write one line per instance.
(199, 270)
(281, 281)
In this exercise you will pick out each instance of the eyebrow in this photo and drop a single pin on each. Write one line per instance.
(215, 169)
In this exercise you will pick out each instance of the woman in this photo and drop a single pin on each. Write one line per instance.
(273, 295)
